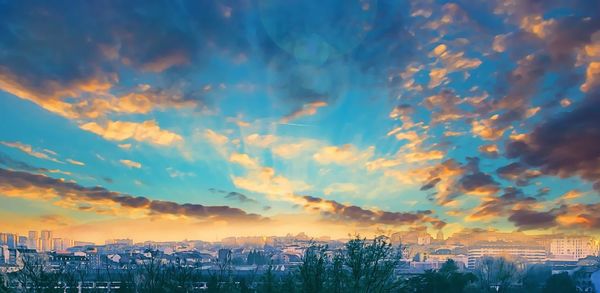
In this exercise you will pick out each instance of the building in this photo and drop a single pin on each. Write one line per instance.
(411, 237)
(439, 236)
(573, 247)
(126, 242)
(33, 240)
(46, 240)
(8, 256)
(61, 244)
(530, 254)
(9, 239)
(22, 242)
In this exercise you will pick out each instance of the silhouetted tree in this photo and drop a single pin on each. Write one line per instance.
(446, 279)
(312, 271)
(338, 277)
(560, 283)
(371, 264)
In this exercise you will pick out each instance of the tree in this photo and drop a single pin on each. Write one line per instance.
(446, 280)
(371, 264)
(497, 273)
(269, 284)
(337, 277)
(312, 269)
(559, 283)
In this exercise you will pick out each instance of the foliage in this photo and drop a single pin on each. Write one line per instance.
(446, 279)
(560, 283)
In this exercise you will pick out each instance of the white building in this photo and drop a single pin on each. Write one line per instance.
(531, 254)
(573, 247)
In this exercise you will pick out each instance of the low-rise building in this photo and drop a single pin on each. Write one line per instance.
(530, 254)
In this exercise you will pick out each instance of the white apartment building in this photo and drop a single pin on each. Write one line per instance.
(531, 254)
(573, 247)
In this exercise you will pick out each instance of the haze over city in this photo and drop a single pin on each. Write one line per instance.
(169, 121)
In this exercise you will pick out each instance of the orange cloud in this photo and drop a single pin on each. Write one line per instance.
(147, 131)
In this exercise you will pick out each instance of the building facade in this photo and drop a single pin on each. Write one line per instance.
(531, 254)
(573, 247)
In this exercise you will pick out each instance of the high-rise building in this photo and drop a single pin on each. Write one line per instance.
(9, 239)
(46, 240)
(33, 240)
(573, 247)
(22, 242)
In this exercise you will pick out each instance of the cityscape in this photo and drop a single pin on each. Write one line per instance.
(310, 146)
(101, 267)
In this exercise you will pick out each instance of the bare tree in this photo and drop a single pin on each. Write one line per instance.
(372, 264)
(497, 273)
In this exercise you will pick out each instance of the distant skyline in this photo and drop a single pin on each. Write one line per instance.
(207, 119)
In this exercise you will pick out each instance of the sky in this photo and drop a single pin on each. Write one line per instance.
(170, 120)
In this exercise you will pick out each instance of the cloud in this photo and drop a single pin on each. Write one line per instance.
(565, 145)
(261, 141)
(143, 101)
(476, 182)
(244, 160)
(215, 138)
(527, 219)
(342, 155)
(242, 198)
(148, 131)
(489, 150)
(518, 173)
(334, 211)
(493, 207)
(308, 109)
(131, 164)
(341, 188)
(445, 105)
(264, 181)
(11, 163)
(33, 186)
(56, 57)
(452, 62)
(74, 162)
(174, 173)
(28, 149)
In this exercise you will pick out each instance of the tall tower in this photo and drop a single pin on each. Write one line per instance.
(33, 240)
(46, 240)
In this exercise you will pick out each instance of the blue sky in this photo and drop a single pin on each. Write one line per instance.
(164, 119)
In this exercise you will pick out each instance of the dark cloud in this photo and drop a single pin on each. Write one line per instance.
(500, 205)
(11, 163)
(444, 107)
(430, 184)
(518, 173)
(475, 180)
(17, 180)
(566, 145)
(334, 211)
(527, 219)
(541, 50)
(239, 197)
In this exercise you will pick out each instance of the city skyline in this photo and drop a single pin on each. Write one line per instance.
(210, 119)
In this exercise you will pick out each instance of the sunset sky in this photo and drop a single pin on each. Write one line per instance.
(166, 120)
